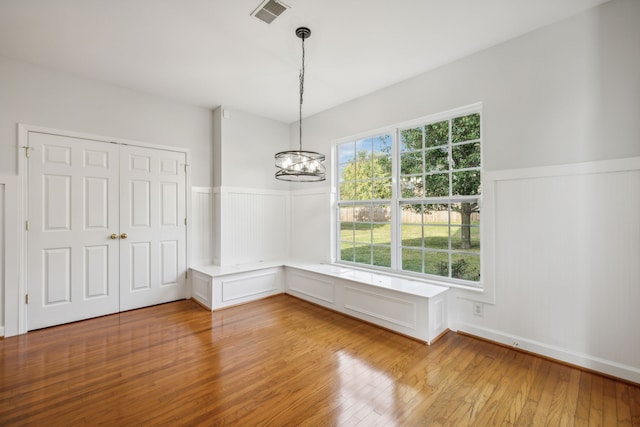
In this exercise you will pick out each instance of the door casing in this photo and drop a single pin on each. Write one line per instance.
(17, 294)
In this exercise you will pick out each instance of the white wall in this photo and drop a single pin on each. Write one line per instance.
(42, 97)
(251, 208)
(9, 255)
(37, 96)
(565, 94)
(248, 146)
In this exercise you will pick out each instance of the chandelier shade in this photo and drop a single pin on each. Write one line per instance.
(300, 165)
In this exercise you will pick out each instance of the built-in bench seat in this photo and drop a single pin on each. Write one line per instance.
(404, 305)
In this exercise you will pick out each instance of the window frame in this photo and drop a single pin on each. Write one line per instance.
(397, 201)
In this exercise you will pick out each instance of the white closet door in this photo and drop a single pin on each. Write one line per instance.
(72, 261)
(152, 227)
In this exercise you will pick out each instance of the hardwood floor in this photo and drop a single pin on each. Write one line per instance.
(282, 361)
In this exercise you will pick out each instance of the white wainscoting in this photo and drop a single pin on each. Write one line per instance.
(3, 243)
(217, 287)
(412, 308)
(12, 320)
(254, 225)
(567, 280)
(315, 288)
(202, 237)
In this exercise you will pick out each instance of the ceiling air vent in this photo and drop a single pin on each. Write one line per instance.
(269, 10)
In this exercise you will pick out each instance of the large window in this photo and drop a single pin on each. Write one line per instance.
(409, 199)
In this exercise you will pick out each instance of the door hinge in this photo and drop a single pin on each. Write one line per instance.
(186, 165)
(27, 151)
(185, 221)
(26, 299)
(186, 274)
(27, 225)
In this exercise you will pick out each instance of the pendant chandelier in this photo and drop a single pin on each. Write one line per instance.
(299, 165)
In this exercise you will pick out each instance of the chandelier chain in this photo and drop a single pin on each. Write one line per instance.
(301, 93)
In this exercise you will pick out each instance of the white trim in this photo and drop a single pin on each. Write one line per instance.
(249, 190)
(486, 231)
(608, 367)
(571, 169)
(23, 186)
(187, 213)
(12, 300)
(490, 181)
(101, 138)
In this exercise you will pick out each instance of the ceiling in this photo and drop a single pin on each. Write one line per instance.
(212, 52)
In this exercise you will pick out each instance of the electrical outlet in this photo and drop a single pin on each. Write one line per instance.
(478, 309)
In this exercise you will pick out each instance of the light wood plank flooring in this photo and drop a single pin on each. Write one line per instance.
(282, 361)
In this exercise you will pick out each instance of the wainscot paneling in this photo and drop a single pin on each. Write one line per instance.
(12, 313)
(567, 245)
(202, 237)
(254, 225)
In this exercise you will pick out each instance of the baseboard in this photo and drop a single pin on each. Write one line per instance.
(606, 367)
(2, 331)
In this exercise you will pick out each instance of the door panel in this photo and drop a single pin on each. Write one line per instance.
(153, 209)
(72, 262)
(107, 228)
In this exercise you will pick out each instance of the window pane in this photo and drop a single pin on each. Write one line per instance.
(346, 223)
(412, 235)
(347, 190)
(362, 233)
(466, 183)
(465, 238)
(362, 214)
(411, 139)
(436, 213)
(347, 251)
(382, 145)
(464, 266)
(412, 186)
(436, 237)
(347, 231)
(364, 166)
(412, 260)
(436, 185)
(465, 230)
(465, 128)
(346, 213)
(364, 146)
(382, 189)
(436, 263)
(363, 190)
(363, 254)
(436, 159)
(382, 256)
(382, 166)
(411, 214)
(381, 213)
(436, 134)
(466, 155)
(382, 233)
(411, 163)
(346, 153)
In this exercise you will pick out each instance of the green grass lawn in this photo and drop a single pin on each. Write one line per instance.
(373, 246)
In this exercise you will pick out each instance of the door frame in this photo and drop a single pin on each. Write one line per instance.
(15, 292)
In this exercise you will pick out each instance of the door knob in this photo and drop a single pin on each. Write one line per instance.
(123, 236)
(114, 236)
